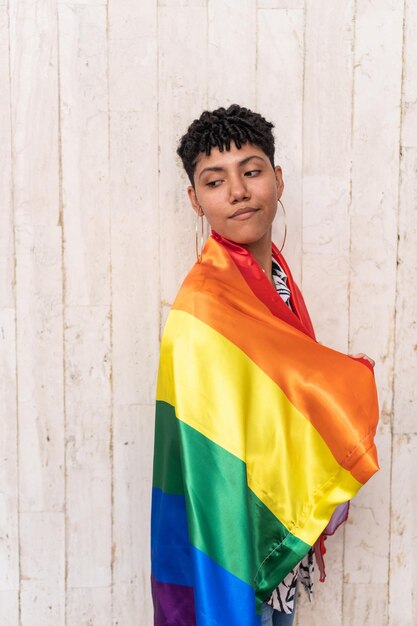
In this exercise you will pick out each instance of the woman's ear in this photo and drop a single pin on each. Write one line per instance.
(279, 179)
(193, 200)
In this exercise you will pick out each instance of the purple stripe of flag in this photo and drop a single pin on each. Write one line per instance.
(340, 514)
(173, 604)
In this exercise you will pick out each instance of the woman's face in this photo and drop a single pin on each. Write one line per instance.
(238, 191)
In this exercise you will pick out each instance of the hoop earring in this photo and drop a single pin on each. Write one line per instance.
(285, 224)
(199, 236)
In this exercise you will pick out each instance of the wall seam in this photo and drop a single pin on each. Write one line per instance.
(110, 312)
(13, 205)
(349, 221)
(64, 294)
(396, 298)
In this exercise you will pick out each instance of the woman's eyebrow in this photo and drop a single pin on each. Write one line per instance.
(217, 168)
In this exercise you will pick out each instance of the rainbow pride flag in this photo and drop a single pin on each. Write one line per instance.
(261, 432)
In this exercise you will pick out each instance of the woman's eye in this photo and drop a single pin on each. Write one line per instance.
(212, 183)
(254, 172)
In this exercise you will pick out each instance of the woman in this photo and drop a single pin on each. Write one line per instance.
(259, 441)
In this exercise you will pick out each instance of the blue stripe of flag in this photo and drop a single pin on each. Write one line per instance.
(221, 599)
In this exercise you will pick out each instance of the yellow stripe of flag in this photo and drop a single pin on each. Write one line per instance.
(241, 409)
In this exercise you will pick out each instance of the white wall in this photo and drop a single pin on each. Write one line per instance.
(96, 235)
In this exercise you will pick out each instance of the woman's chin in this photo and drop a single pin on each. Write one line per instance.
(247, 238)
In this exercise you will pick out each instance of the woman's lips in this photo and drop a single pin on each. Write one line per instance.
(243, 214)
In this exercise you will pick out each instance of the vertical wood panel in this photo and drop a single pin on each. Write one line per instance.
(88, 606)
(409, 121)
(134, 219)
(326, 167)
(9, 608)
(38, 258)
(231, 63)
(42, 568)
(9, 484)
(279, 98)
(403, 599)
(133, 72)
(84, 158)
(377, 100)
(6, 208)
(182, 97)
(133, 474)
(129, 19)
(34, 101)
(403, 573)
(84, 138)
(405, 400)
(88, 444)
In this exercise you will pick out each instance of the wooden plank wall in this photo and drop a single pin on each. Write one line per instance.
(96, 234)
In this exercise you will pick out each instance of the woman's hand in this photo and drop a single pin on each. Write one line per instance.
(361, 355)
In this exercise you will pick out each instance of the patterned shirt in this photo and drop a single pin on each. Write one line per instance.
(282, 598)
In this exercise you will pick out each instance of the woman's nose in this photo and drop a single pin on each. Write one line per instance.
(238, 189)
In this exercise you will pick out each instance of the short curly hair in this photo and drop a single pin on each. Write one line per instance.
(216, 129)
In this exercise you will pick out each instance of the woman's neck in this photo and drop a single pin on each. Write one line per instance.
(262, 251)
